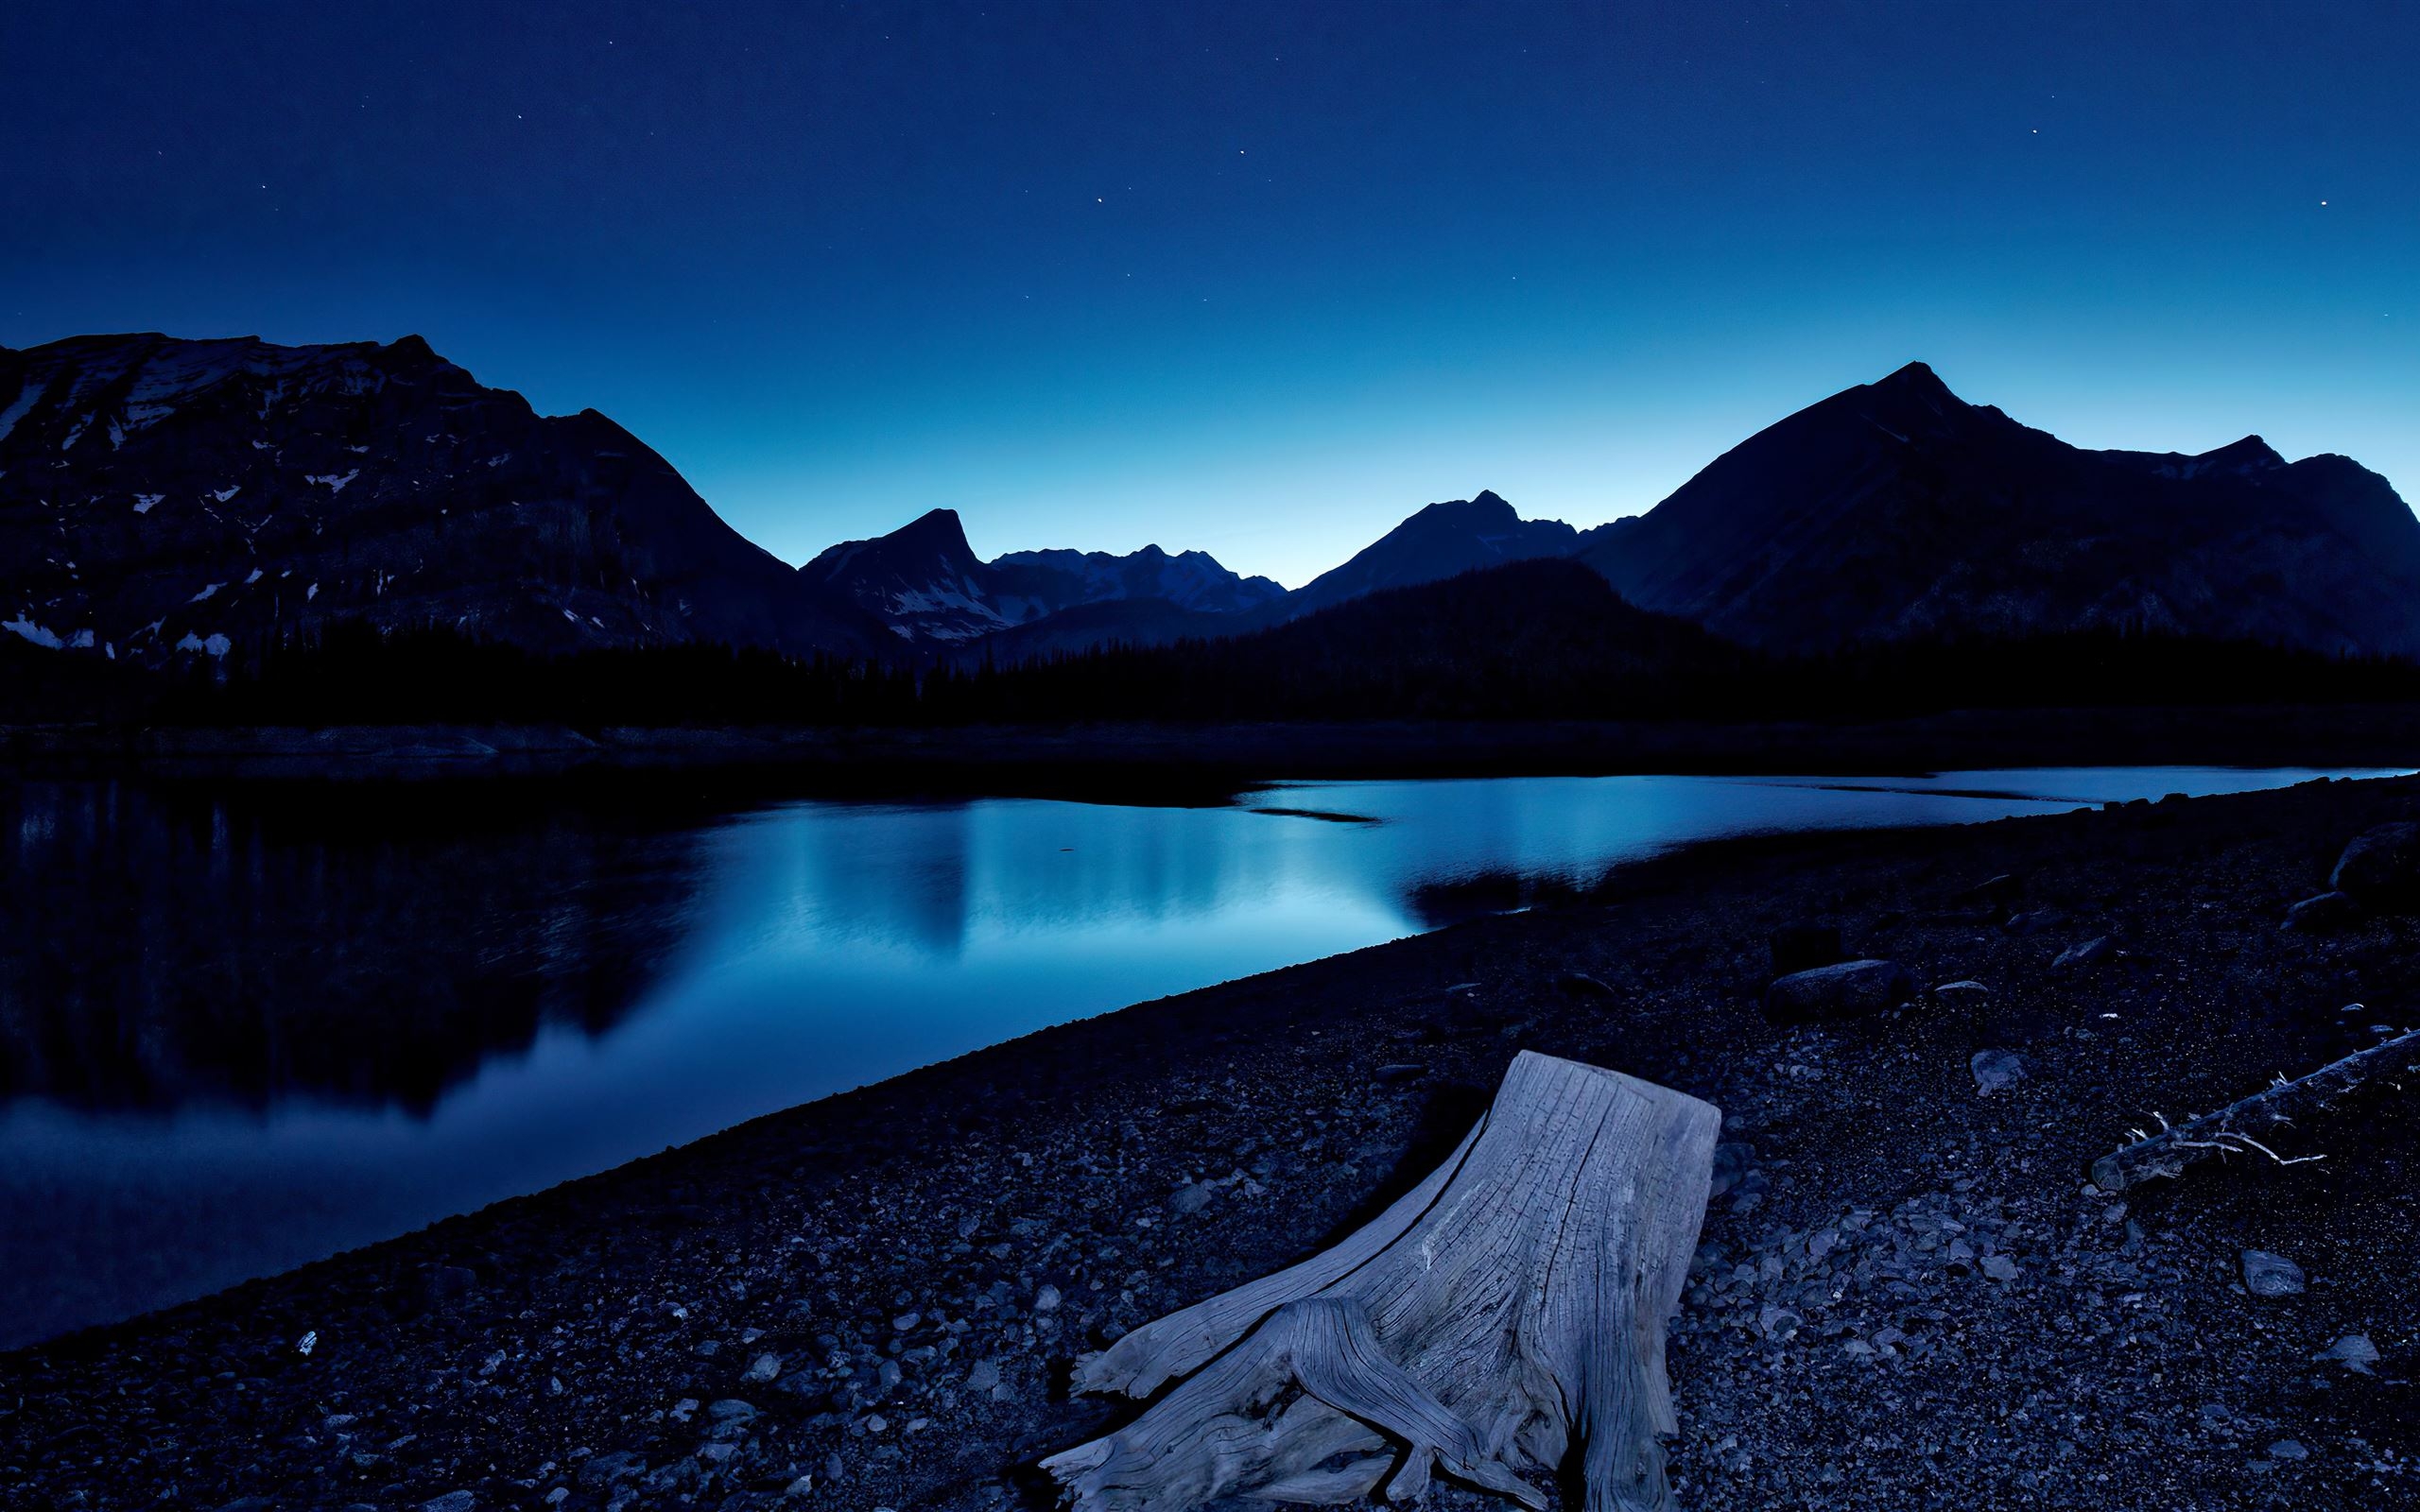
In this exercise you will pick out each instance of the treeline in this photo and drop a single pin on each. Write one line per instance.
(1535, 640)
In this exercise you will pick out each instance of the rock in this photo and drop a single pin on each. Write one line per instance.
(1046, 1299)
(2353, 1352)
(2093, 952)
(1778, 1323)
(452, 1502)
(2288, 1449)
(685, 1409)
(1802, 947)
(448, 1283)
(1995, 1068)
(2034, 921)
(1960, 991)
(731, 1409)
(1391, 1075)
(1999, 1268)
(1995, 892)
(1733, 1160)
(1185, 1201)
(2268, 1274)
(1850, 989)
(2380, 869)
(983, 1376)
(1581, 984)
(2323, 913)
(603, 1471)
(768, 1367)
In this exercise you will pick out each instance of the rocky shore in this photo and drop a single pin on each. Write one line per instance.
(1905, 1296)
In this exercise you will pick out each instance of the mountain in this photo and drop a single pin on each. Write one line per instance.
(1111, 622)
(1191, 580)
(163, 500)
(1525, 639)
(1896, 510)
(1442, 541)
(927, 584)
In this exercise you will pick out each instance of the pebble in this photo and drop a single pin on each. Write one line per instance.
(1046, 1299)
(2288, 1449)
(452, 1502)
(2353, 1352)
(766, 1367)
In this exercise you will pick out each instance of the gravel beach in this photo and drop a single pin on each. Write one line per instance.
(1905, 1294)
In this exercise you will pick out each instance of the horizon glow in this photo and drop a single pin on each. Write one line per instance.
(1258, 280)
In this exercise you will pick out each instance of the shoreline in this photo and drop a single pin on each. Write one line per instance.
(1076, 757)
(922, 1258)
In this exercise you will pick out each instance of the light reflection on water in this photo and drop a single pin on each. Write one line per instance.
(240, 1031)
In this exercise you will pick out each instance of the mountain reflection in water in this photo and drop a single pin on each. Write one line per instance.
(242, 1027)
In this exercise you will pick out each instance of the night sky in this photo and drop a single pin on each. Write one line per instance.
(1259, 279)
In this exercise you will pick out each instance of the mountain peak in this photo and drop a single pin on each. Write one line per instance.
(2251, 451)
(1916, 378)
(935, 530)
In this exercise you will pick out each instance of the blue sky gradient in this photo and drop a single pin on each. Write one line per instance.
(1260, 280)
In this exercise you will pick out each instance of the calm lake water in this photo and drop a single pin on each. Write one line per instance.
(241, 1029)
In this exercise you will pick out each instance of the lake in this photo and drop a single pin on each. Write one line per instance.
(243, 1027)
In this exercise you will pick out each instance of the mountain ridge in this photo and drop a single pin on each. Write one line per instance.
(179, 501)
(1897, 509)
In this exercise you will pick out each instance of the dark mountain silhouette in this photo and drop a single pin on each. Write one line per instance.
(180, 504)
(1439, 542)
(164, 500)
(1896, 510)
(1514, 639)
(1191, 580)
(925, 582)
(1113, 622)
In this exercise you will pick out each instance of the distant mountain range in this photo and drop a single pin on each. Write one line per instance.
(163, 500)
(927, 585)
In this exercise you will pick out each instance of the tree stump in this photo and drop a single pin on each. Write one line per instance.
(1512, 1303)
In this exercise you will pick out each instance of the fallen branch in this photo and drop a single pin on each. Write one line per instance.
(1513, 1301)
(2228, 1130)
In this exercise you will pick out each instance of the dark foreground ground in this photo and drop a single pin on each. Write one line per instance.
(1907, 1299)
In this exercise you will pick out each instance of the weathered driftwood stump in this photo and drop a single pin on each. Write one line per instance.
(1509, 1305)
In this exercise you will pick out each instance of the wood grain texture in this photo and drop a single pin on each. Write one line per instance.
(1507, 1309)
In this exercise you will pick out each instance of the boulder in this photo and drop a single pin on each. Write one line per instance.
(1803, 946)
(1848, 990)
(2380, 869)
(2323, 913)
